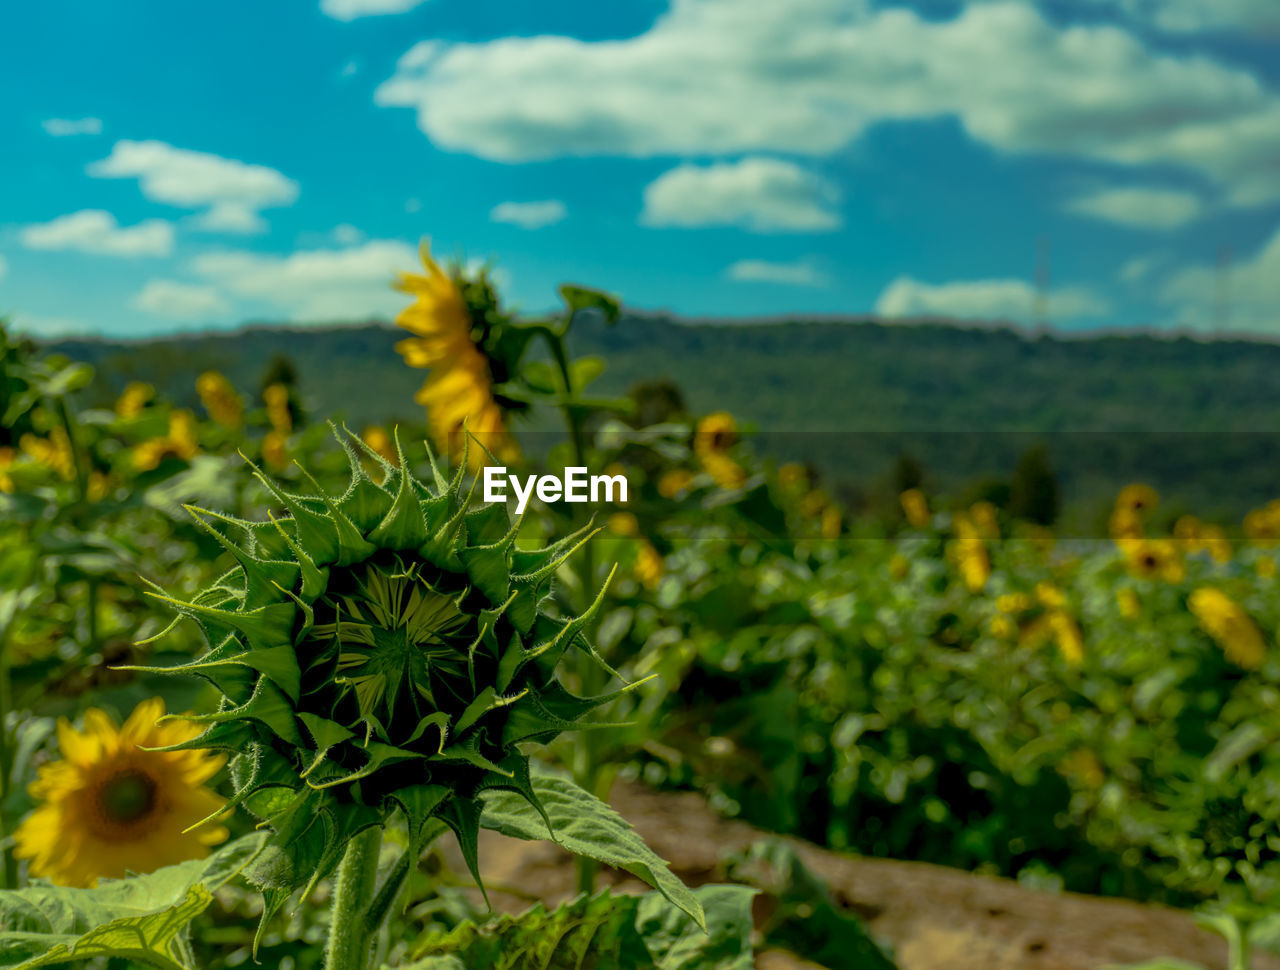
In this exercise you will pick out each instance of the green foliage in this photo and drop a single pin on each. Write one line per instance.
(585, 826)
(142, 918)
(803, 917)
(603, 932)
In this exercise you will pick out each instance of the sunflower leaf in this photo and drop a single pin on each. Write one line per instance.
(623, 932)
(141, 919)
(585, 826)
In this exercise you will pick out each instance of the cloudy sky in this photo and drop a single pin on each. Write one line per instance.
(178, 165)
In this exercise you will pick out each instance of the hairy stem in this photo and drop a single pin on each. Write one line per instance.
(350, 939)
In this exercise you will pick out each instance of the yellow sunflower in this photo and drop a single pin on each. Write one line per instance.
(7, 457)
(180, 442)
(134, 399)
(1137, 498)
(381, 443)
(714, 436)
(916, 508)
(220, 399)
(458, 392)
(110, 806)
(1227, 622)
(1154, 558)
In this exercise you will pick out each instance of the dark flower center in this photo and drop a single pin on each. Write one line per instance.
(127, 796)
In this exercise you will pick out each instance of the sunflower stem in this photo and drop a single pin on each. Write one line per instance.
(350, 938)
(586, 759)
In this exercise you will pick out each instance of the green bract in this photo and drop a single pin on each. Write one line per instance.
(384, 651)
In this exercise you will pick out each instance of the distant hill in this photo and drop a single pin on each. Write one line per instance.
(847, 395)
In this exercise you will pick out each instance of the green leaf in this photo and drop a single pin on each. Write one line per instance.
(674, 942)
(804, 917)
(618, 932)
(141, 918)
(585, 826)
(578, 298)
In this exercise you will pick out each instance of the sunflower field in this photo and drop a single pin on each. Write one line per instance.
(271, 687)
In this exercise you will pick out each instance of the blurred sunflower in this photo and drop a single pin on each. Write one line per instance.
(134, 399)
(380, 443)
(970, 553)
(458, 392)
(180, 442)
(1154, 559)
(1138, 499)
(7, 458)
(53, 452)
(110, 806)
(714, 436)
(674, 481)
(1226, 621)
(1128, 603)
(648, 567)
(220, 399)
(915, 507)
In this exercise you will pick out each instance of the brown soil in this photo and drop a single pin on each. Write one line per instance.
(934, 918)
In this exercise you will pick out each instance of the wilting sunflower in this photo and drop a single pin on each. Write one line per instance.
(1227, 622)
(458, 393)
(111, 806)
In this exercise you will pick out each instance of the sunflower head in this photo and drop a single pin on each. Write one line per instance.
(1137, 499)
(1154, 559)
(115, 804)
(220, 399)
(384, 651)
(713, 438)
(471, 349)
(1227, 622)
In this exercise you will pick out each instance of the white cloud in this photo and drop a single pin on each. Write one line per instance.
(1195, 16)
(180, 301)
(96, 231)
(808, 76)
(317, 284)
(798, 273)
(1139, 208)
(986, 300)
(530, 215)
(352, 9)
(1252, 293)
(347, 234)
(62, 127)
(4, 267)
(233, 191)
(1141, 268)
(45, 326)
(758, 194)
(230, 217)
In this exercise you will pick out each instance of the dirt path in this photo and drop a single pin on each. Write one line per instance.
(935, 918)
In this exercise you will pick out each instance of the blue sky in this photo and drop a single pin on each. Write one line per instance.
(177, 166)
